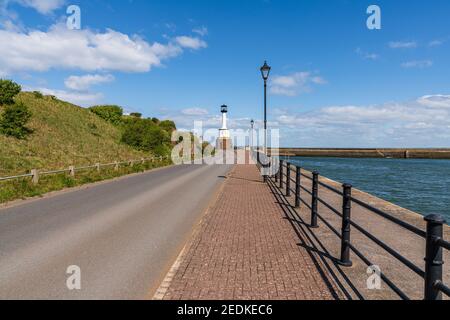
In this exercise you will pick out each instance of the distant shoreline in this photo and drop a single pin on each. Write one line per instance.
(383, 153)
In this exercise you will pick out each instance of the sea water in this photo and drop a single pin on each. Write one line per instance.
(420, 185)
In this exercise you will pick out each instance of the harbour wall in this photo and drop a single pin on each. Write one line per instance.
(366, 153)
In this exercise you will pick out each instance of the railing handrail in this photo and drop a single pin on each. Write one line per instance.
(377, 211)
(444, 244)
(434, 234)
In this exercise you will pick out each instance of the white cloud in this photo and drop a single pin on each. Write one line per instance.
(202, 31)
(367, 55)
(84, 99)
(418, 64)
(83, 83)
(403, 44)
(424, 122)
(436, 43)
(437, 101)
(42, 6)
(195, 112)
(85, 50)
(294, 84)
(190, 42)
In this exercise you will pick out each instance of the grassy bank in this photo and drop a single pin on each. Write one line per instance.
(59, 135)
(24, 188)
(63, 134)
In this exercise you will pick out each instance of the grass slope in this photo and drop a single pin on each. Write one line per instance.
(64, 135)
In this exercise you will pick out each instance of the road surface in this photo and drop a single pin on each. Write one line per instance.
(124, 235)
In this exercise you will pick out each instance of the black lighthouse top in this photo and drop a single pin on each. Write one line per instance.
(224, 109)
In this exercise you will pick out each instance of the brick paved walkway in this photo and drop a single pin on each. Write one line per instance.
(245, 248)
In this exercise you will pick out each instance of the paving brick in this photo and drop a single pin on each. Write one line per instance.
(245, 248)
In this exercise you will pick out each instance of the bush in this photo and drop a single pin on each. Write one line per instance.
(144, 135)
(8, 90)
(168, 126)
(136, 115)
(112, 114)
(14, 120)
(155, 139)
(38, 95)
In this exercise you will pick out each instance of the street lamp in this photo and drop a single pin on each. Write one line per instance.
(265, 72)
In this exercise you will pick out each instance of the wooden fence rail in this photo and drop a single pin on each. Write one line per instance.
(36, 174)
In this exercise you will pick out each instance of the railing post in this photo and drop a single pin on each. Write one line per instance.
(288, 179)
(281, 173)
(269, 158)
(116, 166)
(35, 178)
(433, 259)
(264, 167)
(297, 187)
(314, 202)
(346, 226)
(277, 174)
(98, 167)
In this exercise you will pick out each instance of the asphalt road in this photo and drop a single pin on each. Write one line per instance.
(124, 235)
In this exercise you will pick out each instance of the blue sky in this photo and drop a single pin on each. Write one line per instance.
(334, 83)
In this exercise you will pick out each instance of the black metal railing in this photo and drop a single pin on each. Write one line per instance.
(435, 244)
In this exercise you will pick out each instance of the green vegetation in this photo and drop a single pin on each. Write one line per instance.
(147, 135)
(168, 126)
(15, 115)
(44, 133)
(136, 115)
(24, 188)
(38, 95)
(112, 114)
(144, 135)
(63, 135)
(156, 121)
(14, 119)
(8, 90)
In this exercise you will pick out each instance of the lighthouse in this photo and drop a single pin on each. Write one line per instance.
(224, 141)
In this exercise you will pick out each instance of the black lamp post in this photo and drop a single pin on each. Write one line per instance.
(265, 72)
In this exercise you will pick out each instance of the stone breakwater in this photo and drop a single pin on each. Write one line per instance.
(367, 153)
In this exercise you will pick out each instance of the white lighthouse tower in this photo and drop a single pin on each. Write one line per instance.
(224, 141)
